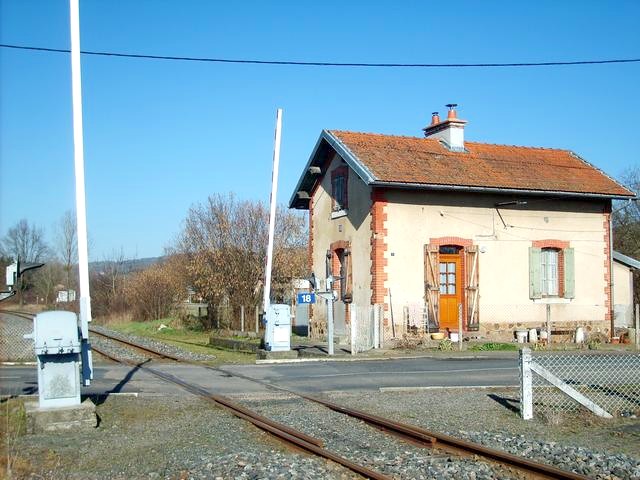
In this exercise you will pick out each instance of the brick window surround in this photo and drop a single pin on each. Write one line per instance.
(559, 246)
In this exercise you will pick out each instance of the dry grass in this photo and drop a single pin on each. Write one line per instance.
(13, 426)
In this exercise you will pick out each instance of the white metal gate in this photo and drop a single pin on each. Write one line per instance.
(365, 327)
(607, 384)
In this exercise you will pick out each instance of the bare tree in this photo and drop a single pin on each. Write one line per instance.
(67, 244)
(46, 279)
(25, 242)
(108, 285)
(224, 243)
(155, 292)
(626, 224)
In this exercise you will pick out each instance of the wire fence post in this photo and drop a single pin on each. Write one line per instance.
(242, 318)
(548, 324)
(526, 385)
(353, 319)
(637, 326)
(460, 327)
(376, 327)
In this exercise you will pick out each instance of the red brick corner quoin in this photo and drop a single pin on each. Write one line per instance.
(378, 247)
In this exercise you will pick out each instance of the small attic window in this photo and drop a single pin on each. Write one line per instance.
(339, 194)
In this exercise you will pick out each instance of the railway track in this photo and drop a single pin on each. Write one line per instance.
(437, 443)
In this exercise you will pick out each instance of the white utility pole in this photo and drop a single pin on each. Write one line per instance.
(78, 154)
(272, 214)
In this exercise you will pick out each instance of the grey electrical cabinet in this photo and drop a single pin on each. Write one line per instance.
(277, 336)
(57, 347)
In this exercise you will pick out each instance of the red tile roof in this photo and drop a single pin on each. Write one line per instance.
(414, 160)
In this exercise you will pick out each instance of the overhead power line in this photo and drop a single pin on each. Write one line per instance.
(326, 64)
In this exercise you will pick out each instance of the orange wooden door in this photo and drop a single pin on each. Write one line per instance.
(450, 278)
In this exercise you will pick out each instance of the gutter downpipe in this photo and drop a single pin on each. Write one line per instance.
(611, 285)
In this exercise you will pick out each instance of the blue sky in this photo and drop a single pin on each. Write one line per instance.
(161, 136)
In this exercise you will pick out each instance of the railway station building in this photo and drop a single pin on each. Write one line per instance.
(438, 231)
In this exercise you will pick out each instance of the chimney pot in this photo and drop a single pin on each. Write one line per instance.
(452, 110)
(450, 132)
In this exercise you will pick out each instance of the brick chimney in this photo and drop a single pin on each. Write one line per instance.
(451, 131)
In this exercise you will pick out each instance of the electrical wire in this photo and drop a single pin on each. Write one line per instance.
(327, 64)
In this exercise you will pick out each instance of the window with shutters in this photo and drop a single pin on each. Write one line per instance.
(339, 194)
(551, 272)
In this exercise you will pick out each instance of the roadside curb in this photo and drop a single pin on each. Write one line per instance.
(370, 359)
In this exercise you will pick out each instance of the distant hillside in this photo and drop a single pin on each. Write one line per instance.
(127, 265)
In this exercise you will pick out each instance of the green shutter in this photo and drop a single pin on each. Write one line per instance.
(535, 272)
(569, 273)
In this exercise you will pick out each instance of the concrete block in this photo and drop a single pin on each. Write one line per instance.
(267, 355)
(65, 419)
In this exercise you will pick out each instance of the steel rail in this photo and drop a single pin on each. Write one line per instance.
(24, 315)
(136, 345)
(414, 433)
(466, 446)
(424, 437)
(439, 440)
(220, 399)
(283, 432)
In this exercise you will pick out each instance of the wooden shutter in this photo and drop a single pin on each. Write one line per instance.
(569, 273)
(535, 272)
(431, 284)
(472, 288)
(348, 285)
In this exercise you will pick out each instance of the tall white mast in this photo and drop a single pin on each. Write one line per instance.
(272, 213)
(78, 154)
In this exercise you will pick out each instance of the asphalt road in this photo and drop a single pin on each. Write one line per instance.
(313, 377)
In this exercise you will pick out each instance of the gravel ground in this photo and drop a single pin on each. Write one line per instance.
(164, 437)
(173, 437)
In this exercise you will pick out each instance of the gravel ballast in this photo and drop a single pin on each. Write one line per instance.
(161, 347)
(182, 436)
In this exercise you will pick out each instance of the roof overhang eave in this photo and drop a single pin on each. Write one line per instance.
(345, 154)
(626, 260)
(294, 200)
(467, 188)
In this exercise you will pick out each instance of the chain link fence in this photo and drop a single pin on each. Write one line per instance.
(13, 347)
(608, 384)
(501, 322)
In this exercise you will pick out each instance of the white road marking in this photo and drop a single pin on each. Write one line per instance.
(444, 387)
(416, 372)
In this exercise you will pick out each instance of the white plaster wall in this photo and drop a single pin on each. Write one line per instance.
(622, 295)
(414, 217)
(355, 228)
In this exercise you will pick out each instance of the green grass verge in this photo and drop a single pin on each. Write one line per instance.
(492, 346)
(192, 340)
